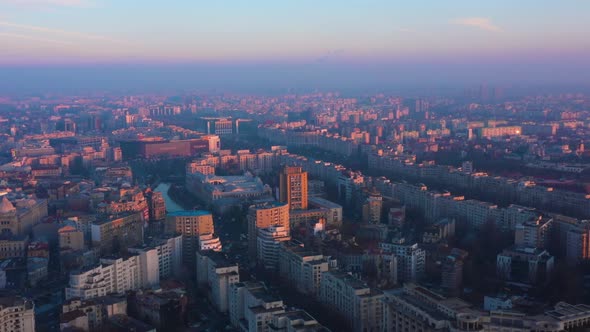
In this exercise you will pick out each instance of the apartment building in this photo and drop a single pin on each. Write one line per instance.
(262, 216)
(169, 249)
(91, 314)
(190, 224)
(360, 305)
(17, 314)
(113, 275)
(122, 230)
(303, 268)
(415, 308)
(253, 307)
(293, 188)
(411, 259)
(268, 245)
(12, 246)
(216, 274)
(295, 320)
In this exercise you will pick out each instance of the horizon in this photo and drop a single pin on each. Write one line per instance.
(291, 44)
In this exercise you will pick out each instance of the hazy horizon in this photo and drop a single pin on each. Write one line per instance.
(283, 77)
(106, 44)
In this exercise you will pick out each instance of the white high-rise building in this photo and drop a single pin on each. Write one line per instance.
(411, 260)
(161, 259)
(269, 242)
(149, 265)
(216, 274)
(169, 255)
(303, 268)
(115, 275)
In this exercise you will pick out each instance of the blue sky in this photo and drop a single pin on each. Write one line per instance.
(54, 31)
(374, 40)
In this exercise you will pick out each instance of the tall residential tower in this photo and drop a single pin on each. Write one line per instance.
(293, 188)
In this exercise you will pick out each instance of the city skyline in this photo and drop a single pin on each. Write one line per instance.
(248, 166)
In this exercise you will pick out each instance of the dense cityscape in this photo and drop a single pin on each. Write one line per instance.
(294, 166)
(295, 212)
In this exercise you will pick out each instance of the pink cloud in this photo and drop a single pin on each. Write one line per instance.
(482, 23)
(33, 38)
(48, 3)
(58, 32)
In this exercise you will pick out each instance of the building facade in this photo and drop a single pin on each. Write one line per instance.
(354, 300)
(293, 188)
(113, 275)
(191, 224)
(114, 233)
(17, 314)
(265, 215)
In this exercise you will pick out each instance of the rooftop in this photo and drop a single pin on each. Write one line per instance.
(564, 311)
(109, 218)
(349, 279)
(12, 300)
(267, 205)
(323, 202)
(6, 206)
(189, 213)
(220, 259)
(261, 309)
(298, 315)
(130, 324)
(264, 295)
(416, 302)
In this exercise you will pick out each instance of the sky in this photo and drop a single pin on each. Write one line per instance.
(374, 41)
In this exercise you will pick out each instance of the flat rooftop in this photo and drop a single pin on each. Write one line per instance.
(349, 279)
(189, 213)
(324, 202)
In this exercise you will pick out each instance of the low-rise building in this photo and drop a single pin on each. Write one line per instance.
(224, 192)
(526, 265)
(37, 269)
(415, 308)
(12, 246)
(295, 320)
(70, 237)
(17, 314)
(20, 215)
(333, 211)
(91, 314)
(163, 309)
